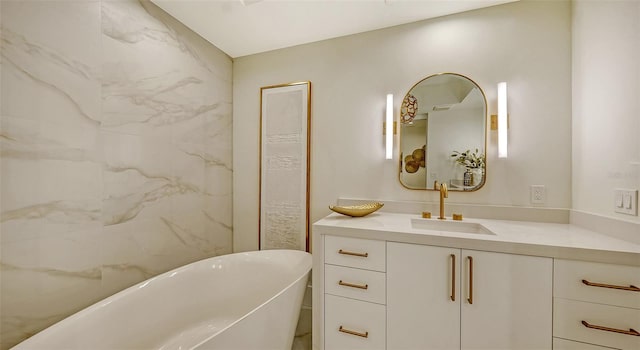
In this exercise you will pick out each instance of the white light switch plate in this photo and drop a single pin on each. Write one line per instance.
(625, 201)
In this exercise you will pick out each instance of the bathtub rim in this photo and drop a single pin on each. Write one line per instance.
(254, 310)
(282, 291)
(108, 300)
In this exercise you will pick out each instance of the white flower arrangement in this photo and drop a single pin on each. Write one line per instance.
(468, 159)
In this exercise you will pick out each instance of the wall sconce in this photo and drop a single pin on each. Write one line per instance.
(389, 127)
(502, 120)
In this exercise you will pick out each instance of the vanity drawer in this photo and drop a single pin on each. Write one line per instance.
(355, 283)
(353, 324)
(563, 344)
(568, 316)
(355, 252)
(569, 275)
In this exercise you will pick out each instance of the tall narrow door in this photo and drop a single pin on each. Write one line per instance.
(506, 301)
(423, 297)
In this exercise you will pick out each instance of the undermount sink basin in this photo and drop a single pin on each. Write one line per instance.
(450, 226)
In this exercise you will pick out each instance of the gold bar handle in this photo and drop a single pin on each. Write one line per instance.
(360, 286)
(470, 298)
(453, 277)
(631, 331)
(348, 331)
(630, 288)
(344, 252)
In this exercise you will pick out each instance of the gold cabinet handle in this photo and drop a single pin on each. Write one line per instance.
(630, 288)
(344, 252)
(470, 298)
(631, 331)
(453, 277)
(359, 286)
(348, 331)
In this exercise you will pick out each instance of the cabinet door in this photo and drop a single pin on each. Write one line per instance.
(563, 344)
(506, 301)
(420, 283)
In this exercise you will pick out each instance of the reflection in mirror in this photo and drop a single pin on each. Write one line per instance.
(443, 134)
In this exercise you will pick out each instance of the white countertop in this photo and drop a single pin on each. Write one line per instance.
(554, 240)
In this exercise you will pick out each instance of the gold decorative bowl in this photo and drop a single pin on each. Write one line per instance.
(357, 210)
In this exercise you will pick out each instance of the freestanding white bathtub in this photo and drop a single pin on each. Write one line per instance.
(237, 301)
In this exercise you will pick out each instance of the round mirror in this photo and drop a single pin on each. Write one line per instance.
(443, 120)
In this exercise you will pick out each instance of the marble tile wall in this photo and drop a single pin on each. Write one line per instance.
(115, 163)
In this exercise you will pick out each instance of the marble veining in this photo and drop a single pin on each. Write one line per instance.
(217, 222)
(25, 139)
(63, 211)
(211, 160)
(128, 206)
(51, 70)
(16, 324)
(144, 272)
(115, 154)
(148, 98)
(190, 238)
(18, 47)
(128, 23)
(94, 273)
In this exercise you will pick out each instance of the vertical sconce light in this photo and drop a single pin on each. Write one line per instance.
(389, 127)
(502, 120)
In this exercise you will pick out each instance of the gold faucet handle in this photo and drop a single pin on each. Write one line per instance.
(457, 217)
(426, 215)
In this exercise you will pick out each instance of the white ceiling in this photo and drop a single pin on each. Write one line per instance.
(245, 27)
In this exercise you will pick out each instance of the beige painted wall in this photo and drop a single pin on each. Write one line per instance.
(527, 44)
(606, 103)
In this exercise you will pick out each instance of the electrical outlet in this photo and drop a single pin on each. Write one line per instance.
(538, 194)
(625, 201)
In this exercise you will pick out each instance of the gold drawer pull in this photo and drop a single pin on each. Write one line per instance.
(344, 330)
(360, 286)
(631, 331)
(344, 252)
(631, 288)
(470, 298)
(453, 277)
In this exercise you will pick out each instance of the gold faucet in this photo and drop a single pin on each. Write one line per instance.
(444, 193)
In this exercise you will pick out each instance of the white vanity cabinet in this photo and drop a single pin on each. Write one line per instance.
(354, 293)
(446, 298)
(385, 282)
(597, 304)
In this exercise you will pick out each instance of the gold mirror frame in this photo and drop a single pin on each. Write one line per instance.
(418, 160)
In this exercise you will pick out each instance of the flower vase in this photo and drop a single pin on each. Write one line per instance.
(468, 178)
(477, 176)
